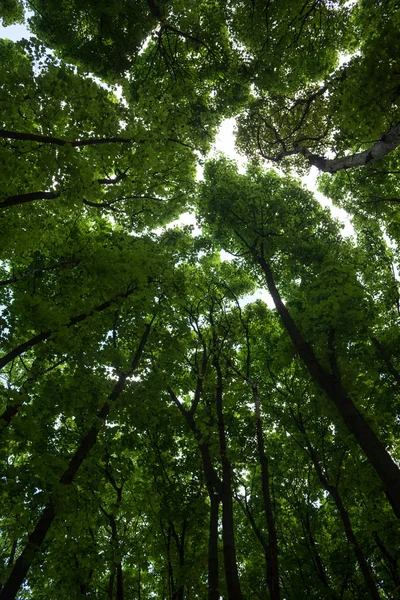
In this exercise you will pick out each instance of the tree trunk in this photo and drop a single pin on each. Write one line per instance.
(213, 574)
(334, 493)
(272, 563)
(362, 563)
(228, 532)
(319, 566)
(36, 538)
(379, 458)
(120, 582)
(44, 335)
(29, 197)
(110, 590)
(214, 488)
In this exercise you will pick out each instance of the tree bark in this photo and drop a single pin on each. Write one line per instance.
(334, 493)
(384, 466)
(213, 570)
(48, 139)
(44, 335)
(228, 531)
(16, 278)
(214, 489)
(386, 144)
(272, 563)
(38, 535)
(29, 197)
(319, 566)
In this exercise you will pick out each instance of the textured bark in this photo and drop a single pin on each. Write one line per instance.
(384, 466)
(38, 535)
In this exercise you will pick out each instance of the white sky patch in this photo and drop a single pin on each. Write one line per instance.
(310, 182)
(15, 33)
(225, 143)
(259, 294)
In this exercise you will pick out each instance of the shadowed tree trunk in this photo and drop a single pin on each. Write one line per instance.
(36, 538)
(228, 532)
(380, 459)
(272, 563)
(334, 493)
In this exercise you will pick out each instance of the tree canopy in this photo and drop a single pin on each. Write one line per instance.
(164, 434)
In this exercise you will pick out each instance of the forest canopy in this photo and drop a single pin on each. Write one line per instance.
(164, 434)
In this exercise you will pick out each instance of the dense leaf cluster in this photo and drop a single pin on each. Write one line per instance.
(163, 434)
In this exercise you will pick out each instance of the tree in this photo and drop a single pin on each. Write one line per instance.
(162, 433)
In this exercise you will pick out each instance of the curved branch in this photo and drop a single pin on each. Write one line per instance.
(386, 144)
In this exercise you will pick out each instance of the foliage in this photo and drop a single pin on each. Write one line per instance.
(163, 434)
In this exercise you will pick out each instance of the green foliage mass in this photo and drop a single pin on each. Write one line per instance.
(214, 412)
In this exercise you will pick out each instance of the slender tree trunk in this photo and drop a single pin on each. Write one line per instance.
(384, 466)
(120, 582)
(213, 574)
(228, 531)
(272, 563)
(362, 563)
(110, 590)
(44, 335)
(214, 488)
(390, 560)
(319, 566)
(334, 493)
(36, 538)
(260, 536)
(180, 547)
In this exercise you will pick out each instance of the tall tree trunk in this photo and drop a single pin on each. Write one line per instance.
(110, 590)
(36, 538)
(214, 488)
(180, 547)
(384, 466)
(272, 563)
(213, 569)
(319, 566)
(334, 493)
(44, 335)
(120, 582)
(228, 531)
(390, 560)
